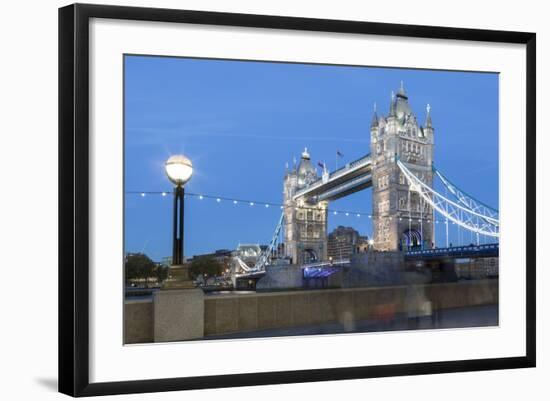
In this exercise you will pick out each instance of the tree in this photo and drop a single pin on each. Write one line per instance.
(138, 266)
(205, 265)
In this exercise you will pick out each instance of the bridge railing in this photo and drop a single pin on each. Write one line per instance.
(351, 165)
(325, 263)
(468, 249)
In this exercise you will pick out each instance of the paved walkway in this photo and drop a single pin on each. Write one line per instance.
(475, 316)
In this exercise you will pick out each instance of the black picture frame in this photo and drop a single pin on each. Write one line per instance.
(74, 198)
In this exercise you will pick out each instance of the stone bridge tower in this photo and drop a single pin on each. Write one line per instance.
(305, 229)
(401, 219)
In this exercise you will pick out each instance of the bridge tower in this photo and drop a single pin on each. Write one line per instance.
(305, 228)
(401, 219)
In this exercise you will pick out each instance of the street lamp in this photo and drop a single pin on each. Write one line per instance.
(179, 170)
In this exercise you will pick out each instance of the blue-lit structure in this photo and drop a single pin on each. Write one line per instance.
(486, 250)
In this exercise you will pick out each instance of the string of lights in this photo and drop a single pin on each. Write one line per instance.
(267, 205)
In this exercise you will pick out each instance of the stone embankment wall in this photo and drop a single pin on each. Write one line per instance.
(233, 313)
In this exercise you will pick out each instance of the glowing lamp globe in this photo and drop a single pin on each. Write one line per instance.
(179, 169)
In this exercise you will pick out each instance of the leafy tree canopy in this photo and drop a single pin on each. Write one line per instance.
(138, 266)
(205, 265)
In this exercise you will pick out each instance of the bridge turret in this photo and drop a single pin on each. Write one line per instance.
(306, 172)
(428, 116)
(400, 218)
(374, 122)
(428, 129)
(374, 125)
(305, 222)
(392, 105)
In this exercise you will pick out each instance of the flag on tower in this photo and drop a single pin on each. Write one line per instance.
(322, 165)
(340, 154)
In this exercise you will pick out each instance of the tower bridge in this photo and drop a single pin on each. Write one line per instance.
(400, 170)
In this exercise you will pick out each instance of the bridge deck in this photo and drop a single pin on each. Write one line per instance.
(348, 179)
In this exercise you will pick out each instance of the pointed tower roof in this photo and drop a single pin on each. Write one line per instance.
(428, 116)
(402, 108)
(392, 105)
(374, 122)
(401, 93)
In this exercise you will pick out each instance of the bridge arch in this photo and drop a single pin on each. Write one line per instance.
(411, 238)
(310, 256)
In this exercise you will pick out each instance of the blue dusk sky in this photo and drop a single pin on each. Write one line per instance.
(240, 122)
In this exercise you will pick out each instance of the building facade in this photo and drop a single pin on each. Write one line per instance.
(305, 227)
(401, 219)
(345, 241)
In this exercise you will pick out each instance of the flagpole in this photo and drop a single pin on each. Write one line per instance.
(338, 154)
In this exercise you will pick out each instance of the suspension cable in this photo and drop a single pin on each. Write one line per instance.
(459, 214)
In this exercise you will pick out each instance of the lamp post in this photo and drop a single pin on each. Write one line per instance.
(179, 170)
(178, 310)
